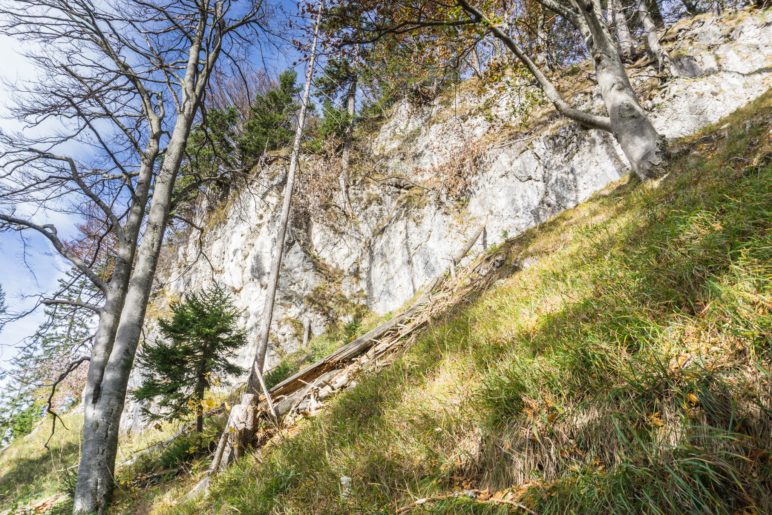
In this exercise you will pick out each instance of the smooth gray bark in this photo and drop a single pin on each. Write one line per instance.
(345, 161)
(624, 37)
(630, 124)
(103, 413)
(627, 121)
(549, 89)
(273, 282)
(102, 418)
(652, 39)
(100, 487)
(542, 56)
(116, 288)
(105, 87)
(570, 14)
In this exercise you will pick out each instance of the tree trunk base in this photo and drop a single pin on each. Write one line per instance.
(238, 434)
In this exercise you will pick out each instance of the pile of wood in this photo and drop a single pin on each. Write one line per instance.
(304, 393)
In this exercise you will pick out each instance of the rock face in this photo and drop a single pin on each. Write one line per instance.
(493, 156)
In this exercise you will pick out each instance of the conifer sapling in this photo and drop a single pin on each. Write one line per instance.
(197, 346)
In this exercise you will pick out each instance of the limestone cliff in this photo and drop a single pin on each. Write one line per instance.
(492, 155)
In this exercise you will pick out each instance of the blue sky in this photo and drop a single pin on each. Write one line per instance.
(17, 265)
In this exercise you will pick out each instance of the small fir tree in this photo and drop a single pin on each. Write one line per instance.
(270, 122)
(211, 150)
(197, 345)
(336, 88)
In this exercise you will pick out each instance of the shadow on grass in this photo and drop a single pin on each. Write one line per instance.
(585, 405)
(22, 480)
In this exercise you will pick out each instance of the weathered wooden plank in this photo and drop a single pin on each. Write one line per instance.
(369, 339)
(345, 353)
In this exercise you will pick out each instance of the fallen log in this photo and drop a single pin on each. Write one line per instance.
(367, 340)
(341, 355)
(304, 391)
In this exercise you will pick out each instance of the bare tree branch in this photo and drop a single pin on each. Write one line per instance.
(49, 231)
(73, 303)
(49, 402)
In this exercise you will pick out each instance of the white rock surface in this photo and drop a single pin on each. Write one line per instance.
(398, 245)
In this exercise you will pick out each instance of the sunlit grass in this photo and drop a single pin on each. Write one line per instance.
(626, 370)
(30, 475)
(28, 472)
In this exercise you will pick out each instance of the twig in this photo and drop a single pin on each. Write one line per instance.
(49, 404)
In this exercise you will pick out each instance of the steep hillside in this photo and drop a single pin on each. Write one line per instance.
(619, 363)
(36, 479)
(624, 367)
(617, 360)
(425, 176)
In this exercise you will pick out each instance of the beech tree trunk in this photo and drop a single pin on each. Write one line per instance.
(624, 37)
(627, 121)
(542, 57)
(102, 413)
(549, 89)
(630, 124)
(347, 142)
(253, 384)
(95, 472)
(123, 109)
(652, 39)
(118, 285)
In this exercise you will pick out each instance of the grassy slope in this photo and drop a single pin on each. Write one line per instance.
(33, 478)
(28, 472)
(626, 370)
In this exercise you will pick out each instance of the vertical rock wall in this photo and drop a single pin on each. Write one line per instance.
(518, 162)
